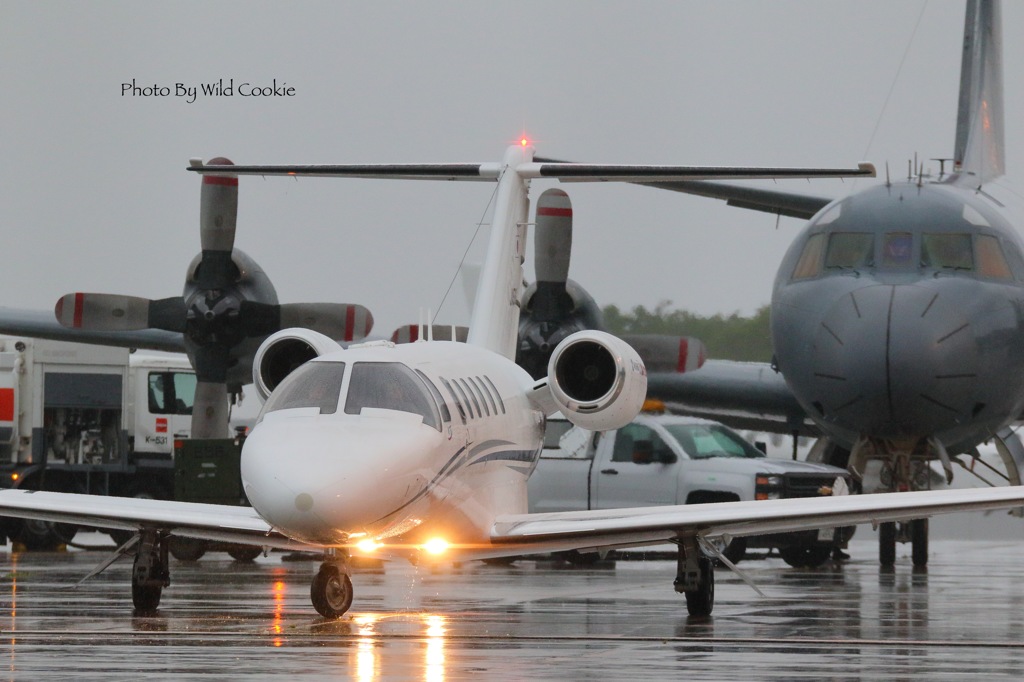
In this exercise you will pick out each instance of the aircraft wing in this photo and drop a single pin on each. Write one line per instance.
(42, 324)
(220, 523)
(559, 531)
(743, 395)
(789, 204)
(560, 170)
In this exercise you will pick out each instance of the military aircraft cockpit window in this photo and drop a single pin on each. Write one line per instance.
(898, 250)
(950, 251)
(850, 250)
(811, 258)
(314, 384)
(991, 261)
(390, 386)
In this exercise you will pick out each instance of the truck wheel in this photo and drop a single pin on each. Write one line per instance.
(45, 536)
(811, 556)
(735, 550)
(578, 558)
(187, 549)
(244, 553)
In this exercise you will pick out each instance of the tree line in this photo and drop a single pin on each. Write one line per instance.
(731, 337)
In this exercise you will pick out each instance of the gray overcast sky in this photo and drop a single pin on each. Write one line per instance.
(94, 195)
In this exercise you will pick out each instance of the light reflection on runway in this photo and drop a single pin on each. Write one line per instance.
(531, 620)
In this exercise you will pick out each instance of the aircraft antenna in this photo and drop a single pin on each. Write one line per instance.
(430, 326)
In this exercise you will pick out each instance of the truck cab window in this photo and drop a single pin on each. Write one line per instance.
(171, 392)
(631, 444)
(703, 441)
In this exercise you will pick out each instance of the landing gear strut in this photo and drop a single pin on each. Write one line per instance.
(149, 573)
(331, 591)
(695, 577)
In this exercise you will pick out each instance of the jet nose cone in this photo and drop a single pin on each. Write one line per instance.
(320, 479)
(895, 361)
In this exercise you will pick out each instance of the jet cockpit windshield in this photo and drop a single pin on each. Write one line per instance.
(314, 384)
(390, 386)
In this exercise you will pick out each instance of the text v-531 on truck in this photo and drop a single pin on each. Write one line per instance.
(88, 419)
(662, 459)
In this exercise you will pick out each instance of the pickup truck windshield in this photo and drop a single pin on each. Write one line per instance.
(703, 441)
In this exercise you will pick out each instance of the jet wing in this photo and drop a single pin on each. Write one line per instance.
(42, 324)
(220, 523)
(559, 531)
(744, 395)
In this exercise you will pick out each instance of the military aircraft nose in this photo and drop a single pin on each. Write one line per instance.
(895, 361)
(320, 479)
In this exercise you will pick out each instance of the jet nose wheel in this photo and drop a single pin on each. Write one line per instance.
(331, 591)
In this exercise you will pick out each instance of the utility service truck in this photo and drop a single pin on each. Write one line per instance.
(88, 419)
(661, 459)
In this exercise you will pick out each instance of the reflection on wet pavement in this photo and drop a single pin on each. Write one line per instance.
(530, 620)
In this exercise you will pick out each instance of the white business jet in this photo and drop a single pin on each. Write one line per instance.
(426, 448)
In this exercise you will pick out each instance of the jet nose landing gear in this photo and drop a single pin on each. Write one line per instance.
(331, 591)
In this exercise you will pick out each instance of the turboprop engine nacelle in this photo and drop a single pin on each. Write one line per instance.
(282, 352)
(598, 381)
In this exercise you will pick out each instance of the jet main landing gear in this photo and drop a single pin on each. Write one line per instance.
(695, 577)
(149, 573)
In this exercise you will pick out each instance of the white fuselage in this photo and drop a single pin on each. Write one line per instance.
(387, 456)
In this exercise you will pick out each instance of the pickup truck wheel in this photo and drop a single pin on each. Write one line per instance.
(735, 550)
(187, 549)
(811, 556)
(701, 602)
(578, 558)
(244, 553)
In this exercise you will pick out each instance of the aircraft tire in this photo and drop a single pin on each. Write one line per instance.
(145, 597)
(331, 591)
(919, 541)
(811, 556)
(887, 543)
(187, 549)
(701, 602)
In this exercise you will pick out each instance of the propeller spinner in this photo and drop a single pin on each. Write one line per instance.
(227, 308)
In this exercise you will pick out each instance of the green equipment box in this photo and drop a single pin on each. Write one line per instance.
(208, 471)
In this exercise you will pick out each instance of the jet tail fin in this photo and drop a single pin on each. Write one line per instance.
(979, 152)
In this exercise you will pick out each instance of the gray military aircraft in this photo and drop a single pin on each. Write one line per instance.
(228, 307)
(897, 313)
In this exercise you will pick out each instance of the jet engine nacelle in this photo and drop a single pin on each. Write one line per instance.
(598, 380)
(281, 353)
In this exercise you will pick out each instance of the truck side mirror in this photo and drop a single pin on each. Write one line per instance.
(666, 456)
(643, 452)
(762, 446)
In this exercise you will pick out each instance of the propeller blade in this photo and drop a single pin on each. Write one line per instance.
(339, 321)
(552, 247)
(103, 312)
(116, 313)
(218, 211)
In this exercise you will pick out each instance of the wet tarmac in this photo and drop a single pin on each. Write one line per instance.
(222, 619)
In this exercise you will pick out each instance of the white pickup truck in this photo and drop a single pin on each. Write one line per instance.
(661, 459)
